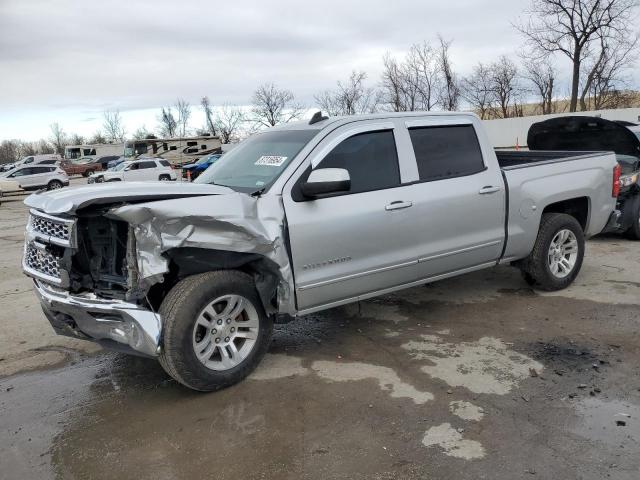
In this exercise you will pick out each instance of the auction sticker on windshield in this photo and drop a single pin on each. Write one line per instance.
(271, 160)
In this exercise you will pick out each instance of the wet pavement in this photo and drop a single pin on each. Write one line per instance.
(475, 377)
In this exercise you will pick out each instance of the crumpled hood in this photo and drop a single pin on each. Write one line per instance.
(68, 200)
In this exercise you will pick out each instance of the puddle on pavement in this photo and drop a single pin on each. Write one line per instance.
(598, 422)
(485, 366)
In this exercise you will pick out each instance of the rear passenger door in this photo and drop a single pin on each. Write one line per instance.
(353, 243)
(459, 200)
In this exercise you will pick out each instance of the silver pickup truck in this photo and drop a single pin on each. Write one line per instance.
(302, 218)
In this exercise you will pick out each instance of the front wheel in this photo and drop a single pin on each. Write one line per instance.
(215, 330)
(557, 255)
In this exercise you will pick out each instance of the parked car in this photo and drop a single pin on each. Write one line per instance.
(115, 162)
(38, 177)
(195, 169)
(302, 218)
(592, 133)
(104, 161)
(82, 166)
(47, 159)
(137, 170)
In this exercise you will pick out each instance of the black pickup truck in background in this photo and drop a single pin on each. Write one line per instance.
(597, 134)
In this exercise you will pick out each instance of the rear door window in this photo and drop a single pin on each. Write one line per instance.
(446, 151)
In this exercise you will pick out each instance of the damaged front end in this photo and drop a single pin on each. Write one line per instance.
(83, 277)
(102, 269)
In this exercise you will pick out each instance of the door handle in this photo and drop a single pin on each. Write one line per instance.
(399, 205)
(488, 190)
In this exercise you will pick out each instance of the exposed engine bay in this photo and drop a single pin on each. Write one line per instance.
(100, 263)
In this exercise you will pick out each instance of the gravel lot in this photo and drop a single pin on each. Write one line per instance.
(474, 377)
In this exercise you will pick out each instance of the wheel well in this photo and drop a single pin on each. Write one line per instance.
(187, 261)
(576, 207)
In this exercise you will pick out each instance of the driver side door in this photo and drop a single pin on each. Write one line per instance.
(350, 244)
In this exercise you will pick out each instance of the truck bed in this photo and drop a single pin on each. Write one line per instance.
(512, 159)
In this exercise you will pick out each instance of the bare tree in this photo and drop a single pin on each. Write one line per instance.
(450, 90)
(97, 138)
(394, 85)
(142, 133)
(229, 122)
(112, 125)
(183, 108)
(58, 138)
(44, 146)
(75, 139)
(411, 84)
(271, 106)
(571, 27)
(542, 76)
(478, 90)
(168, 125)
(505, 86)
(9, 151)
(208, 116)
(350, 98)
(602, 86)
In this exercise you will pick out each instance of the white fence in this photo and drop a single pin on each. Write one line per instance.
(509, 132)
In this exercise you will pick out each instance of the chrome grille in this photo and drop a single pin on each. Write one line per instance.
(42, 262)
(50, 229)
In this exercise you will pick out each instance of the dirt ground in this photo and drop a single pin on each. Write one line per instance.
(477, 377)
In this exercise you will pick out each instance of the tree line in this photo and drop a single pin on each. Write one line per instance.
(594, 38)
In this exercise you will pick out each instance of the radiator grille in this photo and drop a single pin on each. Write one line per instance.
(51, 228)
(42, 261)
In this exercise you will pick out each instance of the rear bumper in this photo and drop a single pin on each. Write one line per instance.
(113, 323)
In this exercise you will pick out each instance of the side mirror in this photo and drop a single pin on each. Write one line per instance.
(326, 180)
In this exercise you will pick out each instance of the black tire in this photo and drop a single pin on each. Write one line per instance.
(99, 179)
(164, 178)
(180, 310)
(86, 173)
(55, 185)
(535, 268)
(633, 232)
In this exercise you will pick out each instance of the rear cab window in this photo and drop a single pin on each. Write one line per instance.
(448, 151)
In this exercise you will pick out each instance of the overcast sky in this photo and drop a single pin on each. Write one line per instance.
(68, 60)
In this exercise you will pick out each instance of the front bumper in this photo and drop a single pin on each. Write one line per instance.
(113, 323)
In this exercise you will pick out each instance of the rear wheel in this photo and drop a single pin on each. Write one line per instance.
(164, 178)
(215, 330)
(54, 185)
(557, 255)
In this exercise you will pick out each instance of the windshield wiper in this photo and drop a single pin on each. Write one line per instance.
(259, 192)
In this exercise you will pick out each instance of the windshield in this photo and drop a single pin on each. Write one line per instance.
(119, 167)
(203, 160)
(258, 161)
